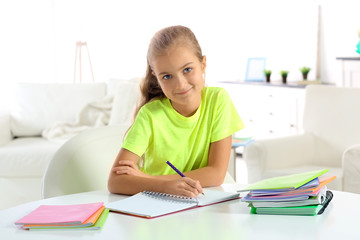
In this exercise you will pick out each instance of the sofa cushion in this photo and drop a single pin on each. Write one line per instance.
(351, 163)
(126, 95)
(329, 107)
(5, 133)
(26, 157)
(36, 106)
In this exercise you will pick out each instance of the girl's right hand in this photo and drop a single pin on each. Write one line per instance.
(183, 187)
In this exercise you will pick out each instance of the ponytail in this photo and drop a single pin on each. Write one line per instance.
(149, 89)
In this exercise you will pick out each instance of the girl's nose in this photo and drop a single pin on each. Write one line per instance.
(181, 81)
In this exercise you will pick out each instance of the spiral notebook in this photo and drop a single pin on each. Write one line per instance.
(152, 204)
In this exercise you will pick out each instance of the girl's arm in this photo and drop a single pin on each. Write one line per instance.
(214, 173)
(127, 179)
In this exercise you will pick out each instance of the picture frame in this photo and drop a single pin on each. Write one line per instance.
(255, 69)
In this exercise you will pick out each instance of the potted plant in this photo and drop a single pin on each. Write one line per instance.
(284, 75)
(305, 71)
(267, 75)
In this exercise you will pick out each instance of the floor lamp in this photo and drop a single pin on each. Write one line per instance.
(78, 57)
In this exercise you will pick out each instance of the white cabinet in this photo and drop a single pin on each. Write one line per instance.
(268, 110)
(350, 71)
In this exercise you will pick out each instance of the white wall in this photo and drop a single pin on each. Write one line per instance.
(38, 37)
(118, 33)
(26, 44)
(340, 26)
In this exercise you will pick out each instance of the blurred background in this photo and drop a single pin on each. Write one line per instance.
(38, 37)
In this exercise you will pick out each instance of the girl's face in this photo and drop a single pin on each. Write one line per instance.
(180, 76)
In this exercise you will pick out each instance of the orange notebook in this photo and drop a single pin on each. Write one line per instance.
(60, 214)
(323, 181)
(89, 222)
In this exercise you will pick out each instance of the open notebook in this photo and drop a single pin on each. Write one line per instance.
(151, 204)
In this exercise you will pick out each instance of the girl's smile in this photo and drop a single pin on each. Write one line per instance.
(185, 92)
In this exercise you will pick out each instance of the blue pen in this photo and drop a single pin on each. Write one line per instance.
(177, 170)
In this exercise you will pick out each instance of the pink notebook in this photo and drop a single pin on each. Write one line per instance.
(60, 214)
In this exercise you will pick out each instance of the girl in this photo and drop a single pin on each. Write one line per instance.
(180, 120)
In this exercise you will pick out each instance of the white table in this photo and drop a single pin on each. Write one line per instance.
(230, 220)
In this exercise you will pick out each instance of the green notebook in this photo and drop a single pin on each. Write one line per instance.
(301, 210)
(304, 210)
(98, 225)
(288, 182)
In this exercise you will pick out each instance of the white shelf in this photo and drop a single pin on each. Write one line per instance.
(268, 110)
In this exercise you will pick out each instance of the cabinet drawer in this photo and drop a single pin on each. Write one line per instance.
(268, 111)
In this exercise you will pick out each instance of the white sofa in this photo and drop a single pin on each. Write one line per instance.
(25, 153)
(330, 140)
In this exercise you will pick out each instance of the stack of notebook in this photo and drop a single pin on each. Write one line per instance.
(80, 216)
(297, 194)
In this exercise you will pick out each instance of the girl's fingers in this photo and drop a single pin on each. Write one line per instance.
(191, 192)
(190, 187)
(188, 194)
(198, 187)
(122, 170)
(194, 184)
(128, 170)
(127, 163)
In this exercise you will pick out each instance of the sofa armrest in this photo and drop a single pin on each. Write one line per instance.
(277, 153)
(5, 132)
(83, 163)
(351, 166)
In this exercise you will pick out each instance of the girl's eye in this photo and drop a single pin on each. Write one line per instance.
(188, 69)
(166, 77)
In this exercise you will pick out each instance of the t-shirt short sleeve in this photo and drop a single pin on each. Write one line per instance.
(226, 119)
(138, 137)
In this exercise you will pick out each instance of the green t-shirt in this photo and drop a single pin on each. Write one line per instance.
(161, 133)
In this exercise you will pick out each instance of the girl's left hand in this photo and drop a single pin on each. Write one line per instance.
(128, 167)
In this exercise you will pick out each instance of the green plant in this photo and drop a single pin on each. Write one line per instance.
(284, 73)
(267, 72)
(304, 70)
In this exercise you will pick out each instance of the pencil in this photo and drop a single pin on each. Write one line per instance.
(177, 170)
